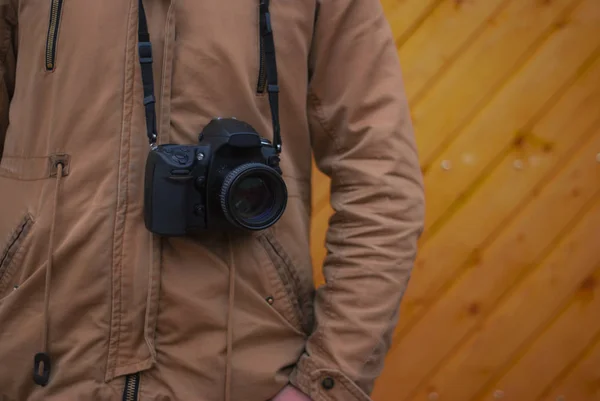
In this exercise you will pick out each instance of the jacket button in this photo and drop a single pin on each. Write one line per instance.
(328, 383)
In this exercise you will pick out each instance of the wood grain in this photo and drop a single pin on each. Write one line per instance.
(462, 309)
(494, 57)
(453, 26)
(563, 340)
(521, 164)
(503, 301)
(506, 122)
(530, 302)
(579, 380)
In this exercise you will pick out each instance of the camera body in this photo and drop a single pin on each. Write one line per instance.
(230, 180)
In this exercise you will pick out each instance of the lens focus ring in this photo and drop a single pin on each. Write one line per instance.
(253, 196)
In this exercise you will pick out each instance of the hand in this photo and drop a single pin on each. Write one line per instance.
(291, 393)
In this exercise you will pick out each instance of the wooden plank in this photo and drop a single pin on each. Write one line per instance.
(559, 345)
(522, 243)
(320, 213)
(320, 189)
(474, 224)
(405, 16)
(513, 322)
(451, 28)
(494, 57)
(509, 116)
(582, 382)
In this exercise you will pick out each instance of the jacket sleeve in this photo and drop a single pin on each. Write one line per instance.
(363, 140)
(8, 34)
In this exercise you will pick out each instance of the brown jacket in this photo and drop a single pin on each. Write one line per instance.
(212, 317)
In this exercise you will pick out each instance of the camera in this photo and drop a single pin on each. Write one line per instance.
(230, 180)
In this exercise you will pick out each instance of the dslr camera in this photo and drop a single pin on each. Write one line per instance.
(230, 180)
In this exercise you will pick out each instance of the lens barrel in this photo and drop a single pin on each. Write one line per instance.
(253, 196)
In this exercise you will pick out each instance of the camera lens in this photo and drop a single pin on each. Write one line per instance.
(253, 196)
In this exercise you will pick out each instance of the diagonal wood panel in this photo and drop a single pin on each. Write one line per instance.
(579, 380)
(505, 96)
(497, 54)
(406, 16)
(442, 253)
(583, 99)
(462, 310)
(529, 305)
(573, 330)
(452, 27)
(513, 111)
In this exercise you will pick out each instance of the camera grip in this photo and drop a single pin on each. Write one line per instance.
(168, 183)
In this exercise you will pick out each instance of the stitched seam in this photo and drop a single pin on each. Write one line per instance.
(167, 87)
(13, 247)
(347, 387)
(279, 290)
(17, 177)
(282, 272)
(152, 302)
(28, 168)
(125, 211)
(298, 290)
(25, 157)
(350, 388)
(115, 298)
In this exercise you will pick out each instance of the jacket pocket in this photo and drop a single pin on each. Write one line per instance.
(56, 7)
(10, 256)
(296, 305)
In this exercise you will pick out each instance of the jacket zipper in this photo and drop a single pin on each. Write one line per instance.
(132, 385)
(262, 70)
(55, 14)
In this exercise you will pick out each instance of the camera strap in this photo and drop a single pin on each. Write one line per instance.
(145, 54)
(271, 66)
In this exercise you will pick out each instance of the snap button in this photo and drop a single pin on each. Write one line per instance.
(328, 383)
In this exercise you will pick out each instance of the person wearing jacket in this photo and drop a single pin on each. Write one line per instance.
(96, 304)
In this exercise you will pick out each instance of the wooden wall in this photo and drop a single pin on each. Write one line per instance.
(504, 303)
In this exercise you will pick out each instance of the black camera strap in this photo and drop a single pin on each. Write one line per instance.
(266, 31)
(145, 54)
